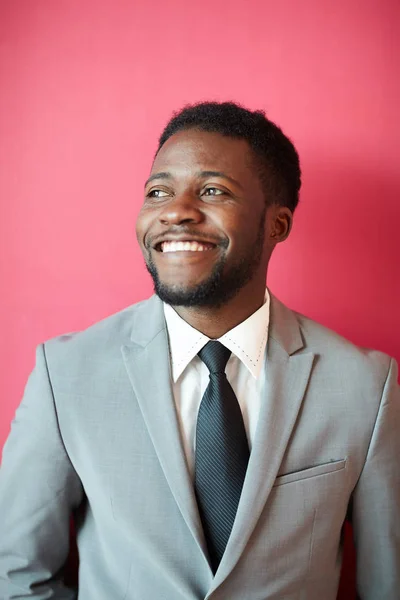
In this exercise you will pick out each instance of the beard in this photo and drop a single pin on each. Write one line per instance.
(220, 287)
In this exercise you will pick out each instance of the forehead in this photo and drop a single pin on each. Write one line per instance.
(187, 152)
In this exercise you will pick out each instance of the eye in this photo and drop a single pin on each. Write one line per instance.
(157, 194)
(213, 191)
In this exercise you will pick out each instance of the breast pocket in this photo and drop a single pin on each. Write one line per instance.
(317, 471)
(301, 525)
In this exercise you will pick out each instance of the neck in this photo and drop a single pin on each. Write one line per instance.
(216, 321)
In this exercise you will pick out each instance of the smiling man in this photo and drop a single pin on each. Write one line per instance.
(213, 252)
(209, 441)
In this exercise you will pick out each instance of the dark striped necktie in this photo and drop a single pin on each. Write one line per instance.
(222, 453)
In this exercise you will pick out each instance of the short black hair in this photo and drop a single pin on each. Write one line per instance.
(276, 158)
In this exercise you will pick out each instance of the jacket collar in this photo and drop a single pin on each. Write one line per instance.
(149, 321)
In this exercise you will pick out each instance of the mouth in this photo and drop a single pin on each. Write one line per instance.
(169, 246)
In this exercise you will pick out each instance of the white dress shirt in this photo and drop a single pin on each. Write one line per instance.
(244, 370)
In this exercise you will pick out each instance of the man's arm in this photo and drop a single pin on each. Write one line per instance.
(376, 502)
(38, 490)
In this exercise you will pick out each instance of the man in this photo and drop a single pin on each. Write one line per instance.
(209, 441)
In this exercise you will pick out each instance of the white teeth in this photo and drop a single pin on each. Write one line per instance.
(186, 246)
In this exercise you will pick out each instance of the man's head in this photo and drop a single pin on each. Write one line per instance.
(225, 182)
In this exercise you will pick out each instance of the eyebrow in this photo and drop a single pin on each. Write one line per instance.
(162, 175)
(204, 174)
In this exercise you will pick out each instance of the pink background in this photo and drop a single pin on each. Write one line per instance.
(86, 88)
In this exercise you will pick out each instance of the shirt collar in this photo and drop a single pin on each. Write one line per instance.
(247, 340)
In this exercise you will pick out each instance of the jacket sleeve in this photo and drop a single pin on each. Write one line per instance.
(376, 502)
(39, 488)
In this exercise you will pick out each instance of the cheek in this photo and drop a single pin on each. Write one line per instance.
(142, 225)
(243, 232)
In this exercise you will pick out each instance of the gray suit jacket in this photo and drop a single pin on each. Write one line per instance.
(97, 433)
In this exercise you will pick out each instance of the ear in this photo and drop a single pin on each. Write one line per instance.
(280, 221)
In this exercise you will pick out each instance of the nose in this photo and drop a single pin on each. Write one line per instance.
(183, 208)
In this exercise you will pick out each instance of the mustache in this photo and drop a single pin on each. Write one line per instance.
(153, 240)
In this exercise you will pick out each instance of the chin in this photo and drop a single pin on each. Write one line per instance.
(179, 287)
(212, 291)
(182, 295)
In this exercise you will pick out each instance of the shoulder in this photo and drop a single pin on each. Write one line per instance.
(336, 358)
(365, 365)
(101, 340)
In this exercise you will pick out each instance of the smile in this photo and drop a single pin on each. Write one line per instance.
(185, 246)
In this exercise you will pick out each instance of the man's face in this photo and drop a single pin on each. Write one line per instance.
(201, 227)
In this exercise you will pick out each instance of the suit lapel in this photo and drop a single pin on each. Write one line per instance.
(286, 381)
(288, 371)
(148, 365)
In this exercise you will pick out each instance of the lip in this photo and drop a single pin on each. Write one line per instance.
(182, 238)
(184, 257)
(182, 265)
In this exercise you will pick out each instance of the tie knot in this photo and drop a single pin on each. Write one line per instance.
(215, 356)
